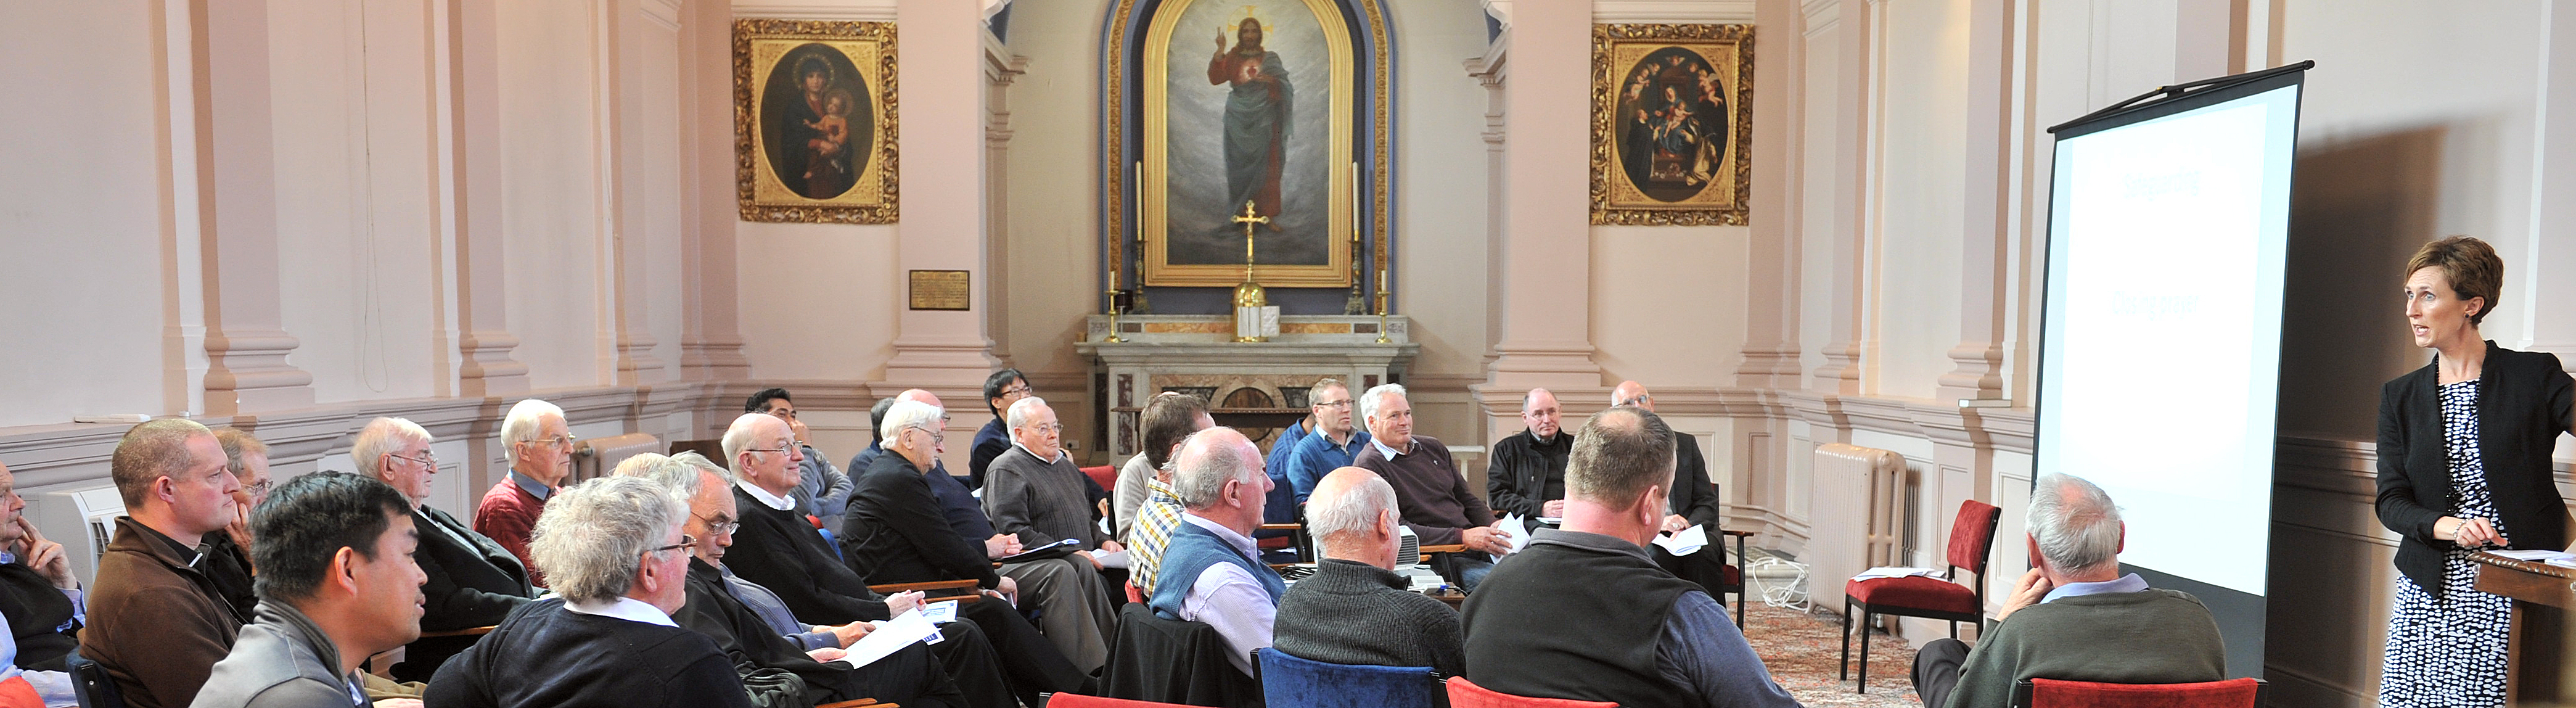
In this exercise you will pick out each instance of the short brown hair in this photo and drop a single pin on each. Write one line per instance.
(150, 451)
(236, 444)
(1169, 419)
(1618, 454)
(2470, 264)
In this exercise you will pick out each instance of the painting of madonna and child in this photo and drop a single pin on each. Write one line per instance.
(1673, 123)
(1251, 105)
(814, 129)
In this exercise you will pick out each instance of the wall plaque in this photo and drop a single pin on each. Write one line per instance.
(941, 290)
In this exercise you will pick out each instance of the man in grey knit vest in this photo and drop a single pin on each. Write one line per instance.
(2074, 617)
(1355, 609)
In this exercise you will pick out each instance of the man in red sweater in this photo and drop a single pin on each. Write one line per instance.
(540, 448)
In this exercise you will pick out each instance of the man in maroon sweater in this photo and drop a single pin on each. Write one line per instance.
(540, 449)
(1430, 495)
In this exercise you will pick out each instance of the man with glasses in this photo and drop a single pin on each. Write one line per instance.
(1430, 496)
(1332, 446)
(958, 504)
(1002, 389)
(784, 554)
(473, 581)
(620, 564)
(825, 493)
(38, 595)
(156, 622)
(1035, 492)
(228, 553)
(539, 445)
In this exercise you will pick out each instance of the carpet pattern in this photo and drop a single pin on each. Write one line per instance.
(1803, 650)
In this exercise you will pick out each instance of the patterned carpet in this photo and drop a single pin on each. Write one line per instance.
(1802, 651)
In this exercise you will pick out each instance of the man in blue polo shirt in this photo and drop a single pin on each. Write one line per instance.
(1332, 445)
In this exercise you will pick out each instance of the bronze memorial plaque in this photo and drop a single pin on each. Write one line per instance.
(940, 290)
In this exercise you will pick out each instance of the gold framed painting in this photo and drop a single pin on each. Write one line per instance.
(1247, 121)
(814, 121)
(1672, 110)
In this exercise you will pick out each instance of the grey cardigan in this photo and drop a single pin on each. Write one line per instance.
(281, 660)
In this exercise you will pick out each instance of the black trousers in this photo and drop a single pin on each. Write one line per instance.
(973, 668)
(1936, 670)
(1033, 664)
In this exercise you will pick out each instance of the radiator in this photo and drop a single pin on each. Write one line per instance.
(1859, 514)
(598, 457)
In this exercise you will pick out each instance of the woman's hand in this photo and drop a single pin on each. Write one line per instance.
(2469, 533)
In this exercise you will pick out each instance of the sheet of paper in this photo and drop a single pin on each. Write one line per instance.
(2541, 554)
(891, 636)
(1035, 552)
(1890, 571)
(1515, 530)
(939, 612)
(1112, 559)
(1687, 542)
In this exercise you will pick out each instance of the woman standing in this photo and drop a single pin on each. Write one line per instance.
(2464, 464)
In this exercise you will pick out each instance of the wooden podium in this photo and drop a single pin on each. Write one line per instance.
(2542, 594)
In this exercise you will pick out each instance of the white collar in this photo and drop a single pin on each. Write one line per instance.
(1059, 452)
(625, 608)
(1238, 541)
(1382, 449)
(774, 501)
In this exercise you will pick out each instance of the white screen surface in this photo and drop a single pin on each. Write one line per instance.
(2160, 353)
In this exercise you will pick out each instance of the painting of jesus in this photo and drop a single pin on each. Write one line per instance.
(1256, 117)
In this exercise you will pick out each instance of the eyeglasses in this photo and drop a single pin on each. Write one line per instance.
(564, 440)
(685, 542)
(1344, 403)
(1048, 427)
(426, 459)
(719, 528)
(935, 436)
(261, 488)
(780, 450)
(1020, 390)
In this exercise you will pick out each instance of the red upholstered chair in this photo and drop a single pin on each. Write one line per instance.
(1972, 539)
(1105, 475)
(1466, 694)
(2052, 693)
(1076, 700)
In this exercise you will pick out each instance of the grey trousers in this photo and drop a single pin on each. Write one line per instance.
(1936, 670)
(1074, 612)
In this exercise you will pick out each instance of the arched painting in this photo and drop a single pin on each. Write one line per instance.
(1247, 121)
(1669, 123)
(815, 142)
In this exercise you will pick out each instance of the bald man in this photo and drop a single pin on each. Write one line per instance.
(1694, 501)
(1528, 473)
(1355, 609)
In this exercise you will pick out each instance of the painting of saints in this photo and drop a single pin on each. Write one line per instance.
(1256, 118)
(1674, 115)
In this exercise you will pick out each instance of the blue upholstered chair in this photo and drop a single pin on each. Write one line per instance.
(1291, 682)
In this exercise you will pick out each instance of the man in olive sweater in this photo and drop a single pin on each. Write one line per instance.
(1355, 609)
(2075, 617)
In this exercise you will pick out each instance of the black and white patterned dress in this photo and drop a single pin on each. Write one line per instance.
(2450, 650)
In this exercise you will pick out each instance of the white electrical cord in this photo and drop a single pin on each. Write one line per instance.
(1791, 594)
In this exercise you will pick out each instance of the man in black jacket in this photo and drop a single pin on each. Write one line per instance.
(784, 553)
(38, 593)
(473, 581)
(1694, 500)
(1528, 475)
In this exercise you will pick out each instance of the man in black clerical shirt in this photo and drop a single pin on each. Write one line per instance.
(787, 555)
(617, 563)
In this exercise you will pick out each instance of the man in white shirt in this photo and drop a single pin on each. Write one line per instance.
(1212, 572)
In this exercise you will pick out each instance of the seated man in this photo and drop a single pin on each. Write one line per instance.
(781, 552)
(156, 621)
(775, 670)
(39, 597)
(1337, 445)
(1147, 511)
(1212, 572)
(539, 445)
(825, 493)
(957, 504)
(227, 559)
(1430, 495)
(1694, 500)
(1001, 389)
(1527, 476)
(1283, 447)
(1355, 609)
(473, 581)
(1035, 492)
(337, 585)
(613, 548)
(2075, 617)
(1593, 575)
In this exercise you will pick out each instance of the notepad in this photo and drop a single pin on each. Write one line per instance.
(1111, 559)
(1686, 542)
(939, 612)
(1890, 571)
(1057, 549)
(891, 636)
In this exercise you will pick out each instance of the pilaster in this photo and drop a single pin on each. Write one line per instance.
(1847, 31)
(1544, 240)
(710, 322)
(1987, 202)
(246, 340)
(474, 180)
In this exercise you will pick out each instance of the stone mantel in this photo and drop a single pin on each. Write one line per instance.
(1249, 384)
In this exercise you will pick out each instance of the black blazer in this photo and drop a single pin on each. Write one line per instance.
(780, 551)
(895, 533)
(473, 582)
(1516, 480)
(2524, 403)
(1694, 496)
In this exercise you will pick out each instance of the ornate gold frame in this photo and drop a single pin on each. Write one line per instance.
(1613, 205)
(871, 47)
(1154, 174)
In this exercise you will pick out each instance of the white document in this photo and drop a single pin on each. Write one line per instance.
(1514, 530)
(2542, 554)
(1687, 542)
(1890, 571)
(939, 612)
(1111, 559)
(892, 636)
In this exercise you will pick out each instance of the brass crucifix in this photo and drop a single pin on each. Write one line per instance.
(1249, 294)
